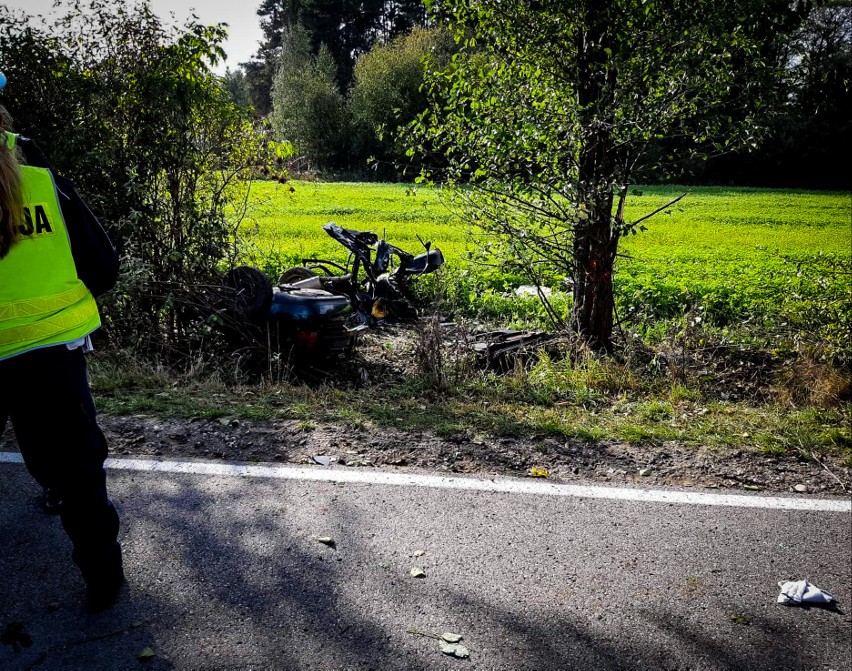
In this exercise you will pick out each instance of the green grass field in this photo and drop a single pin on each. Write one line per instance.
(733, 255)
(286, 224)
(710, 224)
(742, 253)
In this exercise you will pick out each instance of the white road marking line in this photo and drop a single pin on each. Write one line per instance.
(502, 484)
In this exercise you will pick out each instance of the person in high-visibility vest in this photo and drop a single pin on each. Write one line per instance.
(49, 244)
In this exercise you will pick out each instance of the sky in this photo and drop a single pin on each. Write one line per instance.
(241, 16)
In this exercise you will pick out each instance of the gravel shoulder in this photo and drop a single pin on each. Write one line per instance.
(366, 446)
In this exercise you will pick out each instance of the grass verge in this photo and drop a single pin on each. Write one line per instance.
(486, 407)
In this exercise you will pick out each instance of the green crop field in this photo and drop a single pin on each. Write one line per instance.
(286, 224)
(740, 251)
(779, 257)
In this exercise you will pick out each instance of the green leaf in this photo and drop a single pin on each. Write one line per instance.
(146, 654)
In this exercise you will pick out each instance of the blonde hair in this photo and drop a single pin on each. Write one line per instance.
(11, 201)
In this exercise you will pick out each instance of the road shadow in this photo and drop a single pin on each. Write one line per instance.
(43, 622)
(230, 574)
(654, 641)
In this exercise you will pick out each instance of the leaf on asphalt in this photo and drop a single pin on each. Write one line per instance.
(417, 572)
(420, 553)
(326, 540)
(739, 618)
(451, 638)
(146, 654)
(454, 649)
(323, 460)
(538, 472)
(462, 652)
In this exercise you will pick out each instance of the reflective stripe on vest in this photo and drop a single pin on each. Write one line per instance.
(63, 321)
(31, 307)
(42, 301)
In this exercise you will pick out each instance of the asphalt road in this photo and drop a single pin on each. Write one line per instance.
(225, 572)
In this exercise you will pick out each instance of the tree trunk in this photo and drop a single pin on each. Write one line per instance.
(592, 313)
(594, 240)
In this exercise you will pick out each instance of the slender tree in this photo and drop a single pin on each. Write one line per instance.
(276, 17)
(308, 110)
(548, 111)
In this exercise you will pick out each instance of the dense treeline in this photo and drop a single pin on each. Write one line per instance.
(362, 71)
(338, 79)
(347, 29)
(812, 134)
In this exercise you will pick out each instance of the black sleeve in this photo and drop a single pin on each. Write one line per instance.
(93, 251)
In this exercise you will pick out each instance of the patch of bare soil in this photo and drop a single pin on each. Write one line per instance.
(289, 441)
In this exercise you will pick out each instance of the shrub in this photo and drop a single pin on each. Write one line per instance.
(388, 94)
(129, 110)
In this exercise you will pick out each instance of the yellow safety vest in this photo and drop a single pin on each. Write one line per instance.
(42, 301)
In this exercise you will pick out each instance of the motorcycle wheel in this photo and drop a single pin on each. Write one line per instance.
(295, 274)
(252, 292)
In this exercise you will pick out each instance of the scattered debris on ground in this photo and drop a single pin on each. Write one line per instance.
(803, 593)
(448, 642)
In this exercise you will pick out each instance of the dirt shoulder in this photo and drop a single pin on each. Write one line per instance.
(366, 446)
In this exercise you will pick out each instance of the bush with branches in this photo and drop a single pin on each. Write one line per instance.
(388, 94)
(129, 109)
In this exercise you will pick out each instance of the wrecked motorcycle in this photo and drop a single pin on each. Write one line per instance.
(384, 291)
(319, 308)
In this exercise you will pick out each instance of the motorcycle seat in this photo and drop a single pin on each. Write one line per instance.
(427, 262)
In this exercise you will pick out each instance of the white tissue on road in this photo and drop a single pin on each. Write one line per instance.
(797, 592)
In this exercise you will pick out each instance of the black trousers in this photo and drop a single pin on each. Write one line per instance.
(46, 394)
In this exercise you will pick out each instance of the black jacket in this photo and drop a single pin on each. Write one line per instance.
(93, 252)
